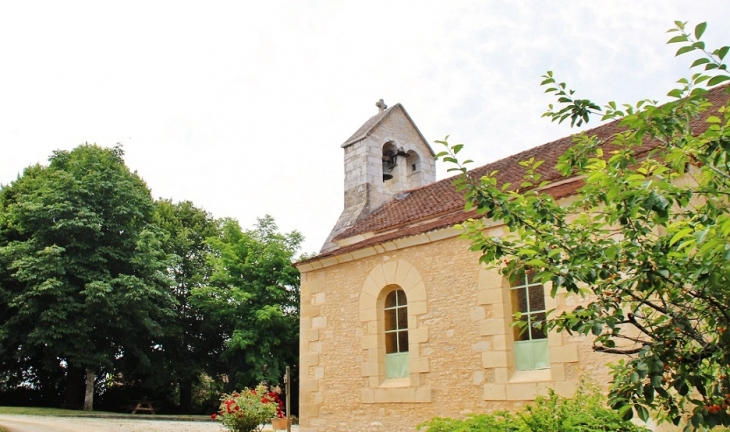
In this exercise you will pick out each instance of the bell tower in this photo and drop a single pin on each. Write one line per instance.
(385, 157)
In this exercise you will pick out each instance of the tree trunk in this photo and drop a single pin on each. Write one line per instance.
(186, 396)
(74, 388)
(89, 396)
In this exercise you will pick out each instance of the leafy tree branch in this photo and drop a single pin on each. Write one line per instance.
(645, 238)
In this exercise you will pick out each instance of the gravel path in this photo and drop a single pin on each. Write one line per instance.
(23, 423)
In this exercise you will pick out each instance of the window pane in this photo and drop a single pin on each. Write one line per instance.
(402, 318)
(403, 341)
(521, 333)
(402, 298)
(396, 365)
(390, 299)
(391, 344)
(519, 300)
(540, 354)
(539, 320)
(517, 278)
(390, 321)
(524, 356)
(530, 355)
(529, 276)
(537, 298)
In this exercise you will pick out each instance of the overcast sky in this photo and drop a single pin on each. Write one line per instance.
(241, 106)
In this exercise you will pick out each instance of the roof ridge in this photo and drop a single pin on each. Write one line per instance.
(363, 131)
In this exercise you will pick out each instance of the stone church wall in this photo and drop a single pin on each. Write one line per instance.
(461, 358)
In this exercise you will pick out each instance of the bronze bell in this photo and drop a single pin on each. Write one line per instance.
(387, 171)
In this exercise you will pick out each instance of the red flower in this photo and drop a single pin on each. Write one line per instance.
(273, 397)
(231, 406)
(213, 416)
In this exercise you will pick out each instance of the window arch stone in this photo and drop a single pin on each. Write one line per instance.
(381, 280)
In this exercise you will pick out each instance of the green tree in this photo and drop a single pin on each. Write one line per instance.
(254, 296)
(192, 346)
(647, 238)
(82, 273)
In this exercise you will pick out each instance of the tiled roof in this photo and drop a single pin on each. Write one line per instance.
(438, 205)
(439, 222)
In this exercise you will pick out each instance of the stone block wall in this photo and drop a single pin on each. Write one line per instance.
(460, 341)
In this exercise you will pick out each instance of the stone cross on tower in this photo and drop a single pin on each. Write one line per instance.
(381, 105)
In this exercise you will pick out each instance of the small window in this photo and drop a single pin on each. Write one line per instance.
(413, 161)
(531, 345)
(395, 320)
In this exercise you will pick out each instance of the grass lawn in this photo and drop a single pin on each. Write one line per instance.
(78, 413)
(50, 411)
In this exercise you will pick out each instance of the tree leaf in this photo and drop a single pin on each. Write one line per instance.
(684, 50)
(676, 39)
(680, 235)
(675, 93)
(722, 52)
(700, 61)
(700, 29)
(718, 79)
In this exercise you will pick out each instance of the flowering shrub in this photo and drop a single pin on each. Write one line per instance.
(246, 411)
(273, 397)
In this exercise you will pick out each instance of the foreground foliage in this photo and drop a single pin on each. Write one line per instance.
(647, 239)
(585, 412)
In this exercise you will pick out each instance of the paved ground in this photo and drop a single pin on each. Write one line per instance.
(22, 423)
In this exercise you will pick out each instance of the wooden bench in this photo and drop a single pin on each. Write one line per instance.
(142, 405)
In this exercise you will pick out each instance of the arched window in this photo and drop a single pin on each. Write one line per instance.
(413, 162)
(395, 325)
(531, 344)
